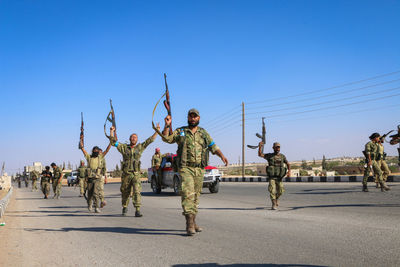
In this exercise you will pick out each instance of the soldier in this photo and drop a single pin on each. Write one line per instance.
(57, 178)
(276, 170)
(45, 182)
(82, 178)
(381, 160)
(155, 165)
(26, 179)
(194, 144)
(94, 173)
(371, 154)
(34, 177)
(103, 178)
(130, 179)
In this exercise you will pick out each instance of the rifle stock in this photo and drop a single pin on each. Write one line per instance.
(167, 104)
(81, 136)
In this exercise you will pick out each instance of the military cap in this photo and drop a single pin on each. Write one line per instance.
(276, 144)
(195, 111)
(374, 135)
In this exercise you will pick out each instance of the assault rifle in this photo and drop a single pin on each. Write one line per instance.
(110, 118)
(81, 135)
(395, 137)
(166, 101)
(383, 137)
(261, 136)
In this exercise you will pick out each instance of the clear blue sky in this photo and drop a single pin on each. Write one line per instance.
(58, 58)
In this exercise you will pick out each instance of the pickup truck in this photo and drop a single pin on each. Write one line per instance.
(171, 179)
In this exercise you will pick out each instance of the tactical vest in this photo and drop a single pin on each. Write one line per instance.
(45, 178)
(95, 168)
(131, 160)
(82, 172)
(182, 152)
(57, 173)
(276, 166)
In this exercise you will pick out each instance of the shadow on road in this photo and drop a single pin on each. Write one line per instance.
(325, 193)
(250, 264)
(256, 208)
(162, 194)
(346, 205)
(119, 230)
(65, 207)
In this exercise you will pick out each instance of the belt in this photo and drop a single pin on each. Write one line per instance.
(194, 165)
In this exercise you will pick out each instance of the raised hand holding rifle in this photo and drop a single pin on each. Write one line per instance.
(262, 137)
(81, 135)
(111, 118)
(168, 130)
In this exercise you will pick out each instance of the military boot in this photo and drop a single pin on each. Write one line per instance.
(365, 188)
(190, 225)
(138, 214)
(90, 208)
(274, 207)
(377, 185)
(196, 227)
(384, 187)
(97, 210)
(124, 211)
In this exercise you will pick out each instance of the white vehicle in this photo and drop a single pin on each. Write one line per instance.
(172, 179)
(73, 178)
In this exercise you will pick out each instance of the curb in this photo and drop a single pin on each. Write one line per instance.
(4, 202)
(312, 179)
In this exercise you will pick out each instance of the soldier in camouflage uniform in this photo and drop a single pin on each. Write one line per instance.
(45, 182)
(103, 178)
(130, 179)
(381, 160)
(276, 170)
(82, 178)
(194, 144)
(94, 172)
(371, 153)
(34, 177)
(155, 165)
(57, 178)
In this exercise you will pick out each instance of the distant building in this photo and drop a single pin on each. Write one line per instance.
(37, 166)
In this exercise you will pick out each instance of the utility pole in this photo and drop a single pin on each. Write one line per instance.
(243, 159)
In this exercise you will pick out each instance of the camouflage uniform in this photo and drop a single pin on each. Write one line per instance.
(57, 172)
(382, 164)
(191, 160)
(155, 165)
(131, 171)
(94, 172)
(82, 179)
(276, 170)
(45, 182)
(371, 148)
(102, 180)
(34, 177)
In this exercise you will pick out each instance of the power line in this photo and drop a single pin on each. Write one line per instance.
(323, 96)
(326, 102)
(324, 108)
(325, 89)
(235, 109)
(216, 123)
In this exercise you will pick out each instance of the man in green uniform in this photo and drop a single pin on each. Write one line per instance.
(130, 179)
(34, 177)
(371, 153)
(82, 178)
(381, 160)
(194, 144)
(155, 165)
(26, 179)
(276, 170)
(103, 178)
(45, 182)
(57, 178)
(94, 172)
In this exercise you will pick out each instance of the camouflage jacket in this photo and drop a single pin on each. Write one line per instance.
(95, 166)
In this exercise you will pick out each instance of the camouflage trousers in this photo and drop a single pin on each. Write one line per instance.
(101, 191)
(56, 188)
(82, 185)
(377, 171)
(130, 182)
(385, 170)
(191, 186)
(34, 185)
(275, 188)
(93, 191)
(45, 186)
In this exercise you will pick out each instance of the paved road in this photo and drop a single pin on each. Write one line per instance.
(318, 224)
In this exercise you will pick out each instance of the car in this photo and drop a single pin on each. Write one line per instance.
(172, 179)
(72, 178)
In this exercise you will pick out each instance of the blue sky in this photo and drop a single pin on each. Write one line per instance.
(58, 58)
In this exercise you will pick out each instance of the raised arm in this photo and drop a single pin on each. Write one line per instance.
(107, 149)
(82, 148)
(260, 153)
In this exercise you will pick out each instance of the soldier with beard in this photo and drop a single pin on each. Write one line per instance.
(131, 154)
(194, 144)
